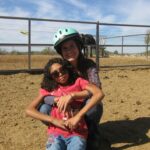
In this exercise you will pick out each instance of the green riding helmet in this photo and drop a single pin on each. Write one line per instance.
(64, 34)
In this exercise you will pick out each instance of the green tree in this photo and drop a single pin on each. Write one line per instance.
(116, 52)
(48, 51)
(3, 51)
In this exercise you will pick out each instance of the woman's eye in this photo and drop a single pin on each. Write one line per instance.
(64, 48)
(73, 46)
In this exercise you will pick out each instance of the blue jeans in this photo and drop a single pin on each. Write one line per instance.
(61, 143)
(93, 116)
(45, 109)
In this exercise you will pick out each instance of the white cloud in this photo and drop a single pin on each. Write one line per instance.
(10, 29)
(47, 9)
(15, 12)
(93, 12)
(135, 12)
(77, 3)
(125, 11)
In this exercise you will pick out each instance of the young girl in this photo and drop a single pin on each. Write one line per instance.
(67, 128)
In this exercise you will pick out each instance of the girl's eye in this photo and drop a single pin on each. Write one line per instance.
(59, 72)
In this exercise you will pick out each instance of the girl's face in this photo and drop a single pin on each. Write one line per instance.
(70, 51)
(59, 73)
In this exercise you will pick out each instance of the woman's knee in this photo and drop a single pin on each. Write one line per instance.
(95, 113)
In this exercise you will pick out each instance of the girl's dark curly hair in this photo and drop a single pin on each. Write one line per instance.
(48, 83)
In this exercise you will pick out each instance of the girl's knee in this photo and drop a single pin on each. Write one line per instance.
(77, 142)
(45, 108)
(55, 143)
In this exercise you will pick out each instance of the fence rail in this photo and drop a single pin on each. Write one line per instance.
(97, 29)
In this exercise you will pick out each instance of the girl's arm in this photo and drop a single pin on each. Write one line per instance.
(97, 96)
(31, 111)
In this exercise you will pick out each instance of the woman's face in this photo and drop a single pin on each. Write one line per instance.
(70, 51)
(59, 73)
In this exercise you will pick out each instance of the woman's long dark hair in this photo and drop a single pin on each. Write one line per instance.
(48, 83)
(84, 63)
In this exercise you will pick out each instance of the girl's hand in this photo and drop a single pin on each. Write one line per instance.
(72, 123)
(63, 102)
(59, 123)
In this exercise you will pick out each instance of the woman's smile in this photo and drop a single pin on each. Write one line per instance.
(70, 50)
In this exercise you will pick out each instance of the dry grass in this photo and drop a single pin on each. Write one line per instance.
(10, 62)
(125, 60)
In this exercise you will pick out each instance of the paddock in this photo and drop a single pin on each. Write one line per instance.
(126, 118)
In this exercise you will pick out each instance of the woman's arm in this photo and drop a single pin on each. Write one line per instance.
(97, 96)
(50, 100)
(81, 95)
(93, 77)
(64, 101)
(31, 111)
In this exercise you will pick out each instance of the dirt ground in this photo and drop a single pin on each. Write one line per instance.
(125, 122)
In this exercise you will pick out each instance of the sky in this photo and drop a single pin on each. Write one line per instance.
(105, 11)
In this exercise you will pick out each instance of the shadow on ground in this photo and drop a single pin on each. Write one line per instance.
(130, 132)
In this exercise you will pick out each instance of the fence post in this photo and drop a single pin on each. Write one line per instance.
(122, 45)
(29, 44)
(97, 45)
(146, 51)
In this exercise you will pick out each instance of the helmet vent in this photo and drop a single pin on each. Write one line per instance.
(60, 32)
(66, 30)
(56, 36)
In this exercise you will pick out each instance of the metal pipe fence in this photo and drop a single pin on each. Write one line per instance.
(97, 24)
(122, 45)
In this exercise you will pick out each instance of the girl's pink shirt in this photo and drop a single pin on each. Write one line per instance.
(81, 130)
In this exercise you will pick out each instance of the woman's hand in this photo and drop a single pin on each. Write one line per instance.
(63, 102)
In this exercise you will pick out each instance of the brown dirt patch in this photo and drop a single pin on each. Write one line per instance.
(125, 122)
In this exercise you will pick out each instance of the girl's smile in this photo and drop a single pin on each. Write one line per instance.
(59, 73)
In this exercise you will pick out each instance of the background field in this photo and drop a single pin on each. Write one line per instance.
(9, 62)
(126, 118)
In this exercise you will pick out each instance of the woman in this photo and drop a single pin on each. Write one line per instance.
(68, 43)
